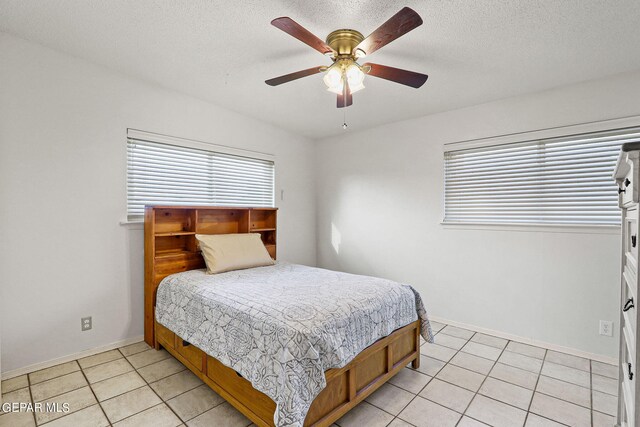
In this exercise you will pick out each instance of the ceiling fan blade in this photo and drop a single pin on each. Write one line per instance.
(341, 103)
(405, 77)
(398, 25)
(293, 76)
(291, 27)
(346, 95)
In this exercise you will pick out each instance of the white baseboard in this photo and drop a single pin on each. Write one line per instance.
(43, 365)
(537, 343)
(49, 363)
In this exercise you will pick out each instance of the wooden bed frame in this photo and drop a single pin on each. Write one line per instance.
(170, 247)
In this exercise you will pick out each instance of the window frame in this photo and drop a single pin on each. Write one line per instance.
(613, 125)
(186, 143)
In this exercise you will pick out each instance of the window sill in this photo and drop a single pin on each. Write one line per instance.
(534, 228)
(132, 225)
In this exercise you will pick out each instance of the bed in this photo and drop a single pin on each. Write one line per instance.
(286, 345)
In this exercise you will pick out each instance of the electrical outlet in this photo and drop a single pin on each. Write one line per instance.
(86, 323)
(606, 328)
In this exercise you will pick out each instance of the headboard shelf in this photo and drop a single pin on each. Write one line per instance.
(175, 253)
(176, 233)
(262, 220)
(170, 244)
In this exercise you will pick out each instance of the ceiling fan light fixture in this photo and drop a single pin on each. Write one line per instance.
(336, 89)
(355, 77)
(354, 89)
(333, 79)
(345, 47)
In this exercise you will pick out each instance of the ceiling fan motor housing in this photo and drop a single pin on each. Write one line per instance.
(344, 41)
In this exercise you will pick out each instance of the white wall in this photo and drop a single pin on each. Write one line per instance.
(63, 254)
(380, 196)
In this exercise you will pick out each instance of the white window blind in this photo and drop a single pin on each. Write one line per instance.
(165, 174)
(552, 181)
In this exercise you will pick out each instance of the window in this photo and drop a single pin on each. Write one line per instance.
(163, 173)
(550, 181)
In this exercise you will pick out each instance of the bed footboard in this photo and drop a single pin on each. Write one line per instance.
(346, 387)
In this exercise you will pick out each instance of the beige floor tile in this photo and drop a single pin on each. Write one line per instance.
(447, 395)
(565, 373)
(605, 403)
(132, 349)
(560, 411)
(470, 422)
(19, 396)
(495, 413)
(604, 384)
(449, 341)
(482, 350)
(76, 399)
(437, 351)
(390, 398)
(568, 360)
(156, 416)
(564, 390)
(96, 359)
(130, 403)
(410, 380)
(59, 385)
(474, 363)
(54, 371)
(222, 415)
(107, 370)
(195, 402)
(87, 417)
(115, 386)
(454, 331)
(436, 326)
(14, 384)
(17, 419)
(461, 377)
(604, 369)
(365, 414)
(489, 340)
(526, 349)
(521, 361)
(397, 422)
(562, 395)
(148, 357)
(514, 375)
(424, 413)
(602, 420)
(534, 420)
(176, 384)
(159, 370)
(514, 395)
(429, 365)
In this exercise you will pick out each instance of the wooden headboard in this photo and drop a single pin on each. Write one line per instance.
(170, 244)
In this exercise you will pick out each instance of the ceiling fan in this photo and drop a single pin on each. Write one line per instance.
(345, 76)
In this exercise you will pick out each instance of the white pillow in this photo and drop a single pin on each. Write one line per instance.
(227, 252)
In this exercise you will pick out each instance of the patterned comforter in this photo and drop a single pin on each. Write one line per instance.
(282, 326)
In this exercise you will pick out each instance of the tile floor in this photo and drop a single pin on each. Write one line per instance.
(466, 379)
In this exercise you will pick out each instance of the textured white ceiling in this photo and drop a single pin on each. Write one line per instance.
(474, 51)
